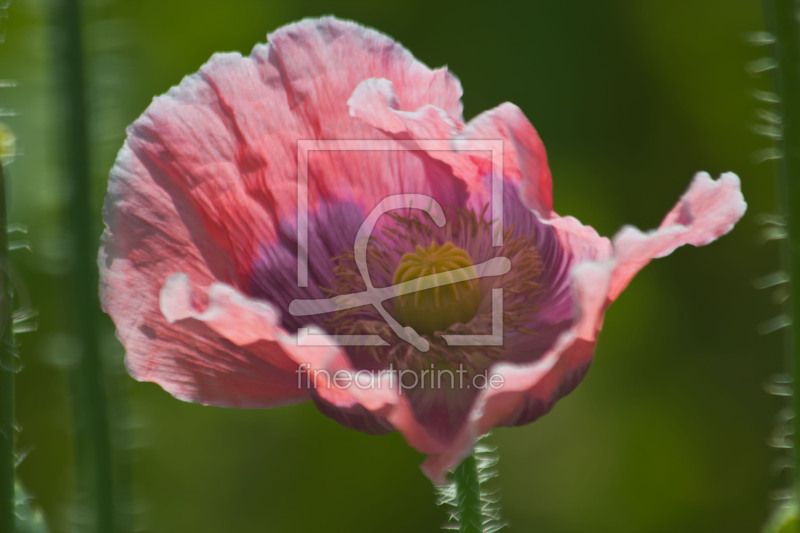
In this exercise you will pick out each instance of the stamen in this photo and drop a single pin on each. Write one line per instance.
(463, 307)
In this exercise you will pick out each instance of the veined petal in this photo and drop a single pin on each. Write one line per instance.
(375, 102)
(320, 364)
(524, 155)
(708, 210)
(146, 242)
(209, 175)
(326, 58)
(524, 160)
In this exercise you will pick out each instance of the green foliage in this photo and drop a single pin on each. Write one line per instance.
(473, 505)
(29, 518)
(784, 519)
(783, 36)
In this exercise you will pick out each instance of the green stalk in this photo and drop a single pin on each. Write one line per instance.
(469, 504)
(92, 423)
(7, 458)
(782, 21)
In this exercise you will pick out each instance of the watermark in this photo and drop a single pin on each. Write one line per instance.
(401, 379)
(375, 296)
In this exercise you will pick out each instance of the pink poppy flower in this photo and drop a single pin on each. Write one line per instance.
(236, 266)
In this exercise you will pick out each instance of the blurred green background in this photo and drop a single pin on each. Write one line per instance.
(669, 430)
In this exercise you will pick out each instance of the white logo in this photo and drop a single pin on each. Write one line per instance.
(496, 266)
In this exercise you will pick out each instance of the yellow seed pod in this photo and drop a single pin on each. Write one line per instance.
(445, 288)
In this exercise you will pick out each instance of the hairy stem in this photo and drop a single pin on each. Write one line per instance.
(7, 369)
(782, 22)
(469, 504)
(93, 435)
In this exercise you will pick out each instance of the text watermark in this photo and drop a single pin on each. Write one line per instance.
(402, 379)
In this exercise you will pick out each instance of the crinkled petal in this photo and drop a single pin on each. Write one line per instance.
(208, 176)
(375, 102)
(706, 211)
(318, 363)
(524, 155)
(322, 60)
(524, 159)
(226, 138)
(145, 242)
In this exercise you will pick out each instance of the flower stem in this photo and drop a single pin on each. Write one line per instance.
(7, 369)
(91, 412)
(469, 504)
(782, 21)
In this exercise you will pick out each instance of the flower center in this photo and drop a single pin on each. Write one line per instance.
(445, 288)
(438, 291)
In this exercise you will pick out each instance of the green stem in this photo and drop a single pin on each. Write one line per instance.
(782, 22)
(7, 369)
(469, 504)
(92, 421)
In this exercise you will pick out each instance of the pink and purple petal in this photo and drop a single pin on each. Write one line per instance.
(146, 242)
(706, 211)
(208, 176)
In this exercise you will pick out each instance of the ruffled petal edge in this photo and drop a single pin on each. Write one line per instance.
(708, 210)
